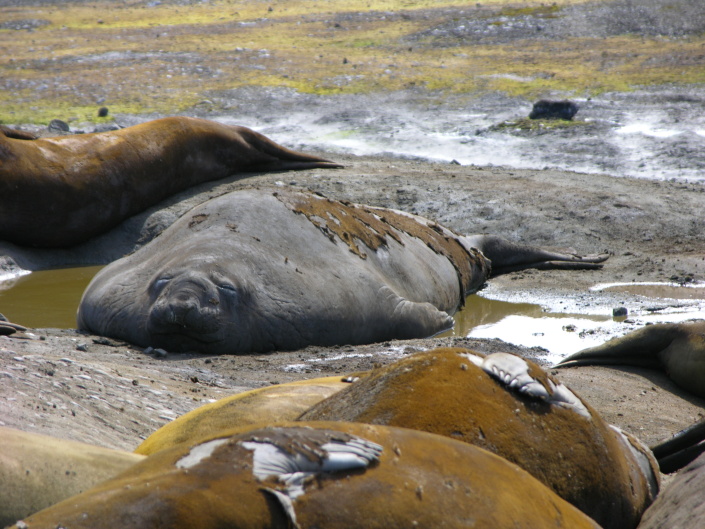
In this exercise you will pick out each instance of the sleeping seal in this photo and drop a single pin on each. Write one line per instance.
(677, 348)
(317, 475)
(279, 269)
(59, 192)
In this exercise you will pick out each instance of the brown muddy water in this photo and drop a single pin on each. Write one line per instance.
(49, 299)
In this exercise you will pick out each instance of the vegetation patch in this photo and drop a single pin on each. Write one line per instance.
(142, 57)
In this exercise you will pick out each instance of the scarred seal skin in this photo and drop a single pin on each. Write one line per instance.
(510, 406)
(61, 191)
(279, 269)
(318, 475)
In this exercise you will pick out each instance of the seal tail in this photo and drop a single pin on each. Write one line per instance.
(683, 447)
(282, 158)
(640, 348)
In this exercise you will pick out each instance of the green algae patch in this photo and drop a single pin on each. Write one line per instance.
(138, 57)
(538, 125)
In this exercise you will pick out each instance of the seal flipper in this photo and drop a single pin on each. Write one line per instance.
(640, 348)
(410, 319)
(683, 447)
(507, 256)
(279, 158)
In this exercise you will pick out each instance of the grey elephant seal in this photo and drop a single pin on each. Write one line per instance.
(676, 348)
(59, 192)
(280, 269)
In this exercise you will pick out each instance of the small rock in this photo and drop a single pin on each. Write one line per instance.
(82, 347)
(56, 125)
(618, 312)
(102, 112)
(546, 109)
(160, 353)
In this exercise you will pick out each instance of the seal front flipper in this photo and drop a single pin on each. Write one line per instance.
(507, 256)
(411, 319)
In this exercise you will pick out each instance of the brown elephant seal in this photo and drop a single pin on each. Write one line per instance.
(677, 348)
(280, 269)
(318, 475)
(37, 471)
(61, 191)
(509, 406)
(281, 402)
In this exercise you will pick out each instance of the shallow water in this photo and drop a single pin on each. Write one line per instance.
(48, 298)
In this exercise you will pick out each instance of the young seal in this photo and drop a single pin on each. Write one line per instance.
(509, 406)
(59, 192)
(318, 475)
(677, 348)
(279, 269)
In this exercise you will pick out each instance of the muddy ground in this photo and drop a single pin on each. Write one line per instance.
(82, 387)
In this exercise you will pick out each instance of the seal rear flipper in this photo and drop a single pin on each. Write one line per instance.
(410, 319)
(640, 348)
(507, 256)
(281, 158)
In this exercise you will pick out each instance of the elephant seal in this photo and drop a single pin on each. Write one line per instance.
(509, 406)
(677, 348)
(323, 475)
(37, 471)
(281, 402)
(279, 269)
(61, 191)
(680, 505)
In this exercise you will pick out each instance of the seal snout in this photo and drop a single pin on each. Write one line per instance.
(189, 306)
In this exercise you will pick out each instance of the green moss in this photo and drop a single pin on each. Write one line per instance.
(173, 55)
(535, 125)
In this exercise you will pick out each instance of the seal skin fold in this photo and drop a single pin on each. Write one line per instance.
(61, 191)
(510, 406)
(267, 269)
(396, 478)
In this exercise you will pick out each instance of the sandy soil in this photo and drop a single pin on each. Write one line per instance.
(82, 387)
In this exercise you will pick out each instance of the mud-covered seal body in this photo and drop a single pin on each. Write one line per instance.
(280, 269)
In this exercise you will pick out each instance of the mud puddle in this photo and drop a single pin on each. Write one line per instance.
(559, 325)
(45, 299)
